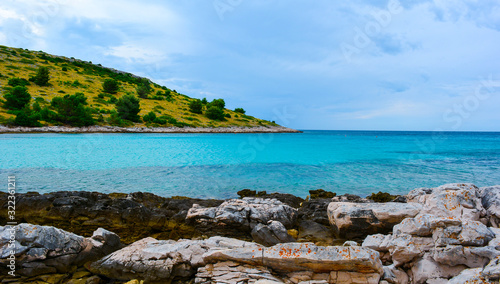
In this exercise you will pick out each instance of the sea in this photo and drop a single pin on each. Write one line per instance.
(219, 165)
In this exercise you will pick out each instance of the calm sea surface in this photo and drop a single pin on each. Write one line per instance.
(218, 165)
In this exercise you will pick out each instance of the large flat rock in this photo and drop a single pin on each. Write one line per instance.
(156, 260)
(357, 220)
(292, 257)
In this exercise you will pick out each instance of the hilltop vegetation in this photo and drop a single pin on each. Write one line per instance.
(38, 89)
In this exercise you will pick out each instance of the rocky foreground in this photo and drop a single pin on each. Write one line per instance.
(116, 129)
(447, 234)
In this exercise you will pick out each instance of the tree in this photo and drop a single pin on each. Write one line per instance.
(215, 113)
(17, 98)
(204, 101)
(27, 117)
(142, 91)
(239, 110)
(143, 88)
(150, 117)
(72, 110)
(128, 108)
(115, 119)
(217, 103)
(196, 106)
(110, 86)
(42, 76)
(14, 82)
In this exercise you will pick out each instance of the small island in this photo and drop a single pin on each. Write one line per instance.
(48, 93)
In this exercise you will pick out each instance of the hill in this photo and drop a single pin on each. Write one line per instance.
(79, 93)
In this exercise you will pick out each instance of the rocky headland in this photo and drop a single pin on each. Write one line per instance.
(447, 234)
(116, 129)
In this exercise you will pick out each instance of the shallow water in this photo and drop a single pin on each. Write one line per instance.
(217, 165)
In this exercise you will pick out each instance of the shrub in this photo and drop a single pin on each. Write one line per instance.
(143, 91)
(112, 100)
(239, 110)
(110, 86)
(64, 69)
(320, 193)
(14, 82)
(17, 98)
(27, 117)
(251, 193)
(42, 76)
(381, 197)
(215, 113)
(143, 88)
(217, 103)
(196, 106)
(149, 117)
(128, 108)
(71, 110)
(36, 107)
(47, 115)
(227, 115)
(76, 84)
(115, 119)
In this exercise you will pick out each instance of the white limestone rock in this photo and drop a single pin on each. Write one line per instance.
(490, 198)
(247, 212)
(354, 220)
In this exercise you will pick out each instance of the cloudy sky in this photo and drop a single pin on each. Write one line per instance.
(374, 65)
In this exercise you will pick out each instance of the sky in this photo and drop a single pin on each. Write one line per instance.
(341, 65)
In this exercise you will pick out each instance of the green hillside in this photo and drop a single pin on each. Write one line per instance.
(74, 95)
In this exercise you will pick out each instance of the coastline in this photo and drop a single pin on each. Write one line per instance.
(91, 237)
(116, 129)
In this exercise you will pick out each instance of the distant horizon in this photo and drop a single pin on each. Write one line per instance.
(437, 131)
(383, 65)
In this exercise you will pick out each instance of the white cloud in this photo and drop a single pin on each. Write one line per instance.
(130, 52)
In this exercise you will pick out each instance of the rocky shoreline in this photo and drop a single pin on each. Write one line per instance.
(447, 234)
(116, 129)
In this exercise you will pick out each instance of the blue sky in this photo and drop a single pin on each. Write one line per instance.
(359, 65)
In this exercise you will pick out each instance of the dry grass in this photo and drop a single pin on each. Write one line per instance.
(23, 64)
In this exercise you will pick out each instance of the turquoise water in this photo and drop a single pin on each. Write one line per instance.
(218, 165)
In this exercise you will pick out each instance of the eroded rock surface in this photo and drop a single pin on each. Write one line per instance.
(44, 249)
(356, 220)
(161, 260)
(241, 215)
